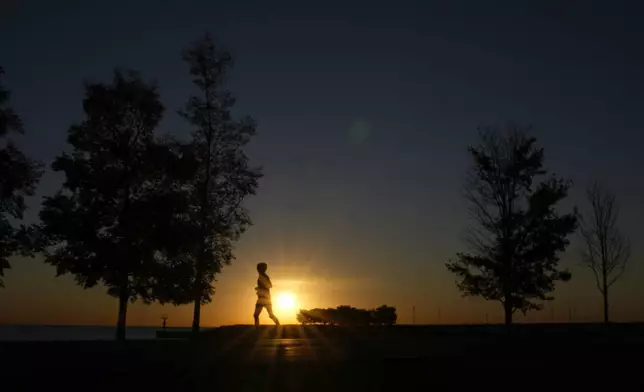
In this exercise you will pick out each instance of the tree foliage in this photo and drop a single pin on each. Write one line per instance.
(606, 249)
(222, 177)
(110, 221)
(349, 316)
(19, 176)
(518, 233)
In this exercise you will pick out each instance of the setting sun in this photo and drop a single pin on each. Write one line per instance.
(286, 301)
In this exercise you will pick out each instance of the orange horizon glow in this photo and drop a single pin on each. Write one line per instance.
(49, 300)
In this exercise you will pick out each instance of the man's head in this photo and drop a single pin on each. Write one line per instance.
(261, 268)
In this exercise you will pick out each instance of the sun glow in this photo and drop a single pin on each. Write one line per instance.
(286, 302)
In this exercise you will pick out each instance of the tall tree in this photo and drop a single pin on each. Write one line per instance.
(606, 250)
(223, 177)
(517, 235)
(102, 226)
(19, 176)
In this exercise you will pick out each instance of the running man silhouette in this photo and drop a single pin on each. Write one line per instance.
(263, 290)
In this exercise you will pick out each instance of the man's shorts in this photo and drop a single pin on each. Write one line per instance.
(263, 302)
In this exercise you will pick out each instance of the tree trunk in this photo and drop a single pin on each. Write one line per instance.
(196, 315)
(507, 308)
(605, 294)
(120, 325)
(606, 308)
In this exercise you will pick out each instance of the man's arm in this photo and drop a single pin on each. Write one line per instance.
(266, 281)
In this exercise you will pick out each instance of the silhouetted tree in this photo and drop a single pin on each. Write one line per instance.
(385, 315)
(606, 250)
(222, 177)
(513, 250)
(19, 176)
(302, 317)
(107, 222)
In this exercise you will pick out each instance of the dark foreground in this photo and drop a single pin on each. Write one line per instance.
(536, 357)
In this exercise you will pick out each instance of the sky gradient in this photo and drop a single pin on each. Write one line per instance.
(364, 116)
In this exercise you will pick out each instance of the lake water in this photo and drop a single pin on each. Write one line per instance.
(74, 332)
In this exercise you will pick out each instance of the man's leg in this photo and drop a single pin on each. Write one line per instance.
(269, 308)
(258, 310)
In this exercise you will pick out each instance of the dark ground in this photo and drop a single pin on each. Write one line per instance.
(531, 357)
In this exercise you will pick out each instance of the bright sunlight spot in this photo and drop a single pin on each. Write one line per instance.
(286, 302)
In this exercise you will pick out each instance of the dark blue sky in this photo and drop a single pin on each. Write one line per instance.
(365, 112)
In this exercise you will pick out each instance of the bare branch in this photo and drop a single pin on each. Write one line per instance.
(623, 255)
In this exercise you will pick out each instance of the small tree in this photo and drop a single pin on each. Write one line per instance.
(107, 222)
(606, 250)
(222, 178)
(518, 234)
(19, 176)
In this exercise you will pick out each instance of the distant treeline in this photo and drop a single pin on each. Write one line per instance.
(348, 315)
